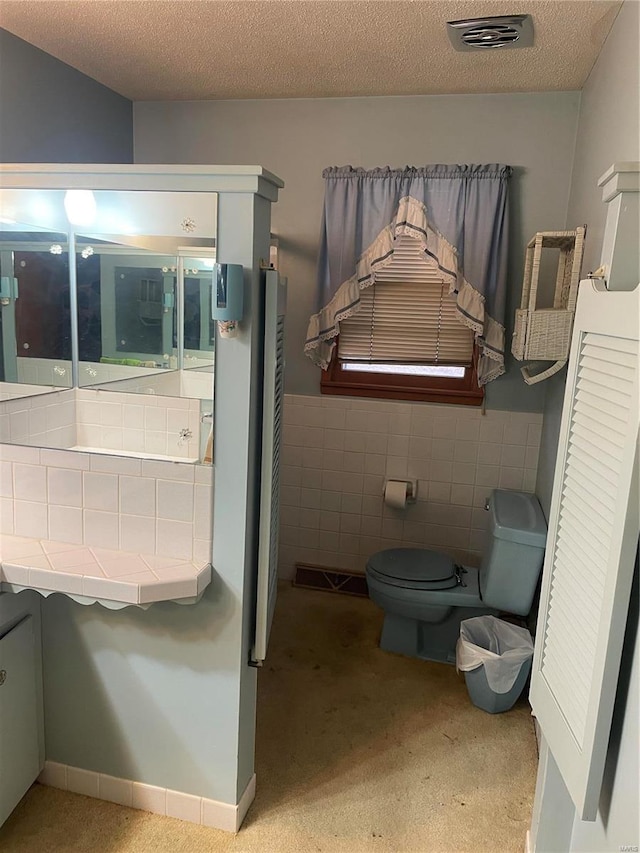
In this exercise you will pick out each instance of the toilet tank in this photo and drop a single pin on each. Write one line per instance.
(514, 551)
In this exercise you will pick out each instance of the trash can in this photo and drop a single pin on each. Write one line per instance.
(495, 657)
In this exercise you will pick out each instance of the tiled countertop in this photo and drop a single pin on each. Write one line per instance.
(98, 574)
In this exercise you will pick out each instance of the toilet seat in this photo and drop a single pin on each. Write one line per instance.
(413, 568)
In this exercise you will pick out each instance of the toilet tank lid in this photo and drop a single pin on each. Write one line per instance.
(518, 517)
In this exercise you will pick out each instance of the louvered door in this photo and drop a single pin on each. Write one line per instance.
(273, 400)
(591, 547)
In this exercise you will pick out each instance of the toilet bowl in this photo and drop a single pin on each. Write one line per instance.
(425, 595)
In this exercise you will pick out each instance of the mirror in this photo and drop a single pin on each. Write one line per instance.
(142, 278)
(127, 306)
(35, 318)
(199, 328)
(143, 316)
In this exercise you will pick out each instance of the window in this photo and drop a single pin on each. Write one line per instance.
(406, 342)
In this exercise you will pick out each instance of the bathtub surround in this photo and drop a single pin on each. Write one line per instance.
(338, 452)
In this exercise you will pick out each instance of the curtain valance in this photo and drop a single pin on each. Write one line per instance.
(457, 215)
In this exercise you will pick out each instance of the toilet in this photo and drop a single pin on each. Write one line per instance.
(425, 595)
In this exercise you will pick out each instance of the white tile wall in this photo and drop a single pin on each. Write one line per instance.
(138, 423)
(135, 423)
(150, 506)
(46, 420)
(163, 801)
(338, 451)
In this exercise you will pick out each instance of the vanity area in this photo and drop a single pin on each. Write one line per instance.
(125, 599)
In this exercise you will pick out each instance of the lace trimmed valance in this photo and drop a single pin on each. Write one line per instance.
(458, 217)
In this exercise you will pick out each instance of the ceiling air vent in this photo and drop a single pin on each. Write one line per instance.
(483, 33)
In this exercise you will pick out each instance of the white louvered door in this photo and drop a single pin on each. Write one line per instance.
(273, 400)
(592, 542)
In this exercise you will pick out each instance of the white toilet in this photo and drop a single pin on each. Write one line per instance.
(425, 596)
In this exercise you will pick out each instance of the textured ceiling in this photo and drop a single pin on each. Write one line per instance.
(307, 48)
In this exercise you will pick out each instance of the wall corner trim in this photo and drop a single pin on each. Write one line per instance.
(619, 178)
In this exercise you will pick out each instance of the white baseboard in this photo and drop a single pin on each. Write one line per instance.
(150, 798)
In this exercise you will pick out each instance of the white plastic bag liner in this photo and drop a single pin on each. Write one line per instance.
(501, 647)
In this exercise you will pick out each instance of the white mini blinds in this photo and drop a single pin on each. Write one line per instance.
(407, 316)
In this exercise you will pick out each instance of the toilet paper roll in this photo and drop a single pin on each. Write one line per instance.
(395, 494)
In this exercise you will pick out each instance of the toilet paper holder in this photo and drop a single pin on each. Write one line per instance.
(411, 486)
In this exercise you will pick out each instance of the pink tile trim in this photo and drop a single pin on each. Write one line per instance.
(118, 576)
(164, 801)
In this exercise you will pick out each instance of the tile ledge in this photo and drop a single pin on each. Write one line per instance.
(25, 571)
(109, 603)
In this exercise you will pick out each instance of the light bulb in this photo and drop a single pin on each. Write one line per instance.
(80, 206)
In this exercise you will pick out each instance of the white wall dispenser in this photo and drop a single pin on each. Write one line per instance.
(544, 334)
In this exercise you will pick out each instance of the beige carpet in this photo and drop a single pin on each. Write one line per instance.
(358, 750)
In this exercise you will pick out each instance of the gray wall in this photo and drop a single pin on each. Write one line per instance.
(296, 139)
(51, 113)
(608, 132)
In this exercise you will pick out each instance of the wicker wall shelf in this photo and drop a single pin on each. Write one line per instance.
(544, 334)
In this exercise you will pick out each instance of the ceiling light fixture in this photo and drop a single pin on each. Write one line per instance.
(80, 207)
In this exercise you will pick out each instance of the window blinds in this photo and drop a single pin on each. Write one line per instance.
(407, 316)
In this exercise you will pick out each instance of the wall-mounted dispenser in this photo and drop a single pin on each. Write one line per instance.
(168, 302)
(227, 298)
(8, 289)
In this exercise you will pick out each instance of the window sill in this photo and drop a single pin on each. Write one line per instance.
(412, 389)
(413, 395)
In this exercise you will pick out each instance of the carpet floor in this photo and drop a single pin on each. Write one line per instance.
(357, 750)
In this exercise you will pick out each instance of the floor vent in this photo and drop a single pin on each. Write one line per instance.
(309, 576)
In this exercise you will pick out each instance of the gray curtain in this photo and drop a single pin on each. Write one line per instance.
(458, 217)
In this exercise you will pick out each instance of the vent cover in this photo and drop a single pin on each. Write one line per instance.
(485, 33)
